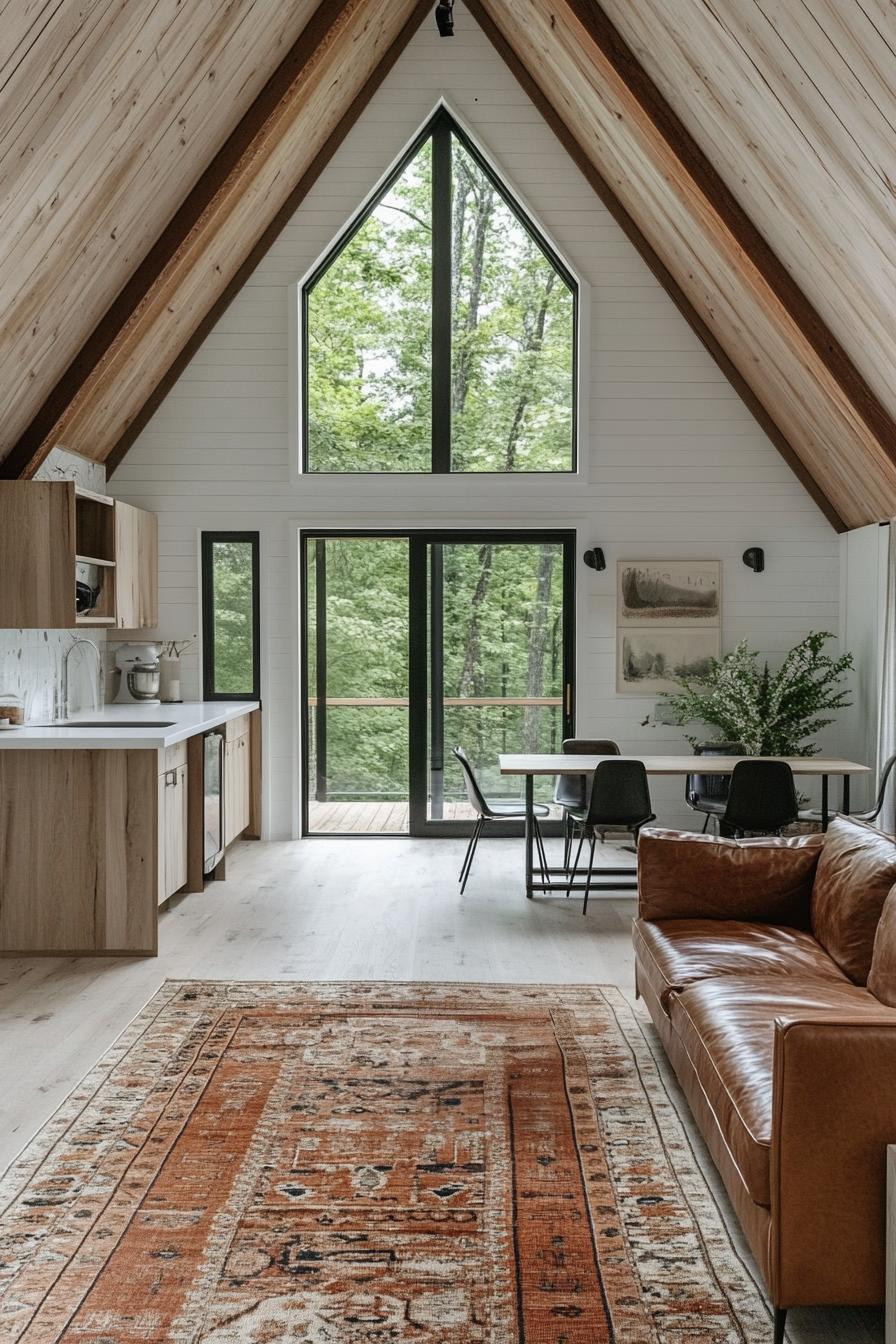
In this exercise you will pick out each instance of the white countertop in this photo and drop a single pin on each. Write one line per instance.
(165, 725)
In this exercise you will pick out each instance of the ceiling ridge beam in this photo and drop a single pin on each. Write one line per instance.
(236, 158)
(630, 228)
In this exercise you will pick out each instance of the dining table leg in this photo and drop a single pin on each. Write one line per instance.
(824, 802)
(530, 830)
(844, 798)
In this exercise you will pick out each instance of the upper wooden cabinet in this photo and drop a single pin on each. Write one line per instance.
(46, 527)
(136, 568)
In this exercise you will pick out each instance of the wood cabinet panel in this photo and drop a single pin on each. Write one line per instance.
(173, 830)
(37, 555)
(85, 880)
(136, 568)
(236, 787)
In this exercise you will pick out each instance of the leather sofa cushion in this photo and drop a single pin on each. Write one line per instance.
(727, 1027)
(882, 976)
(856, 870)
(687, 876)
(678, 952)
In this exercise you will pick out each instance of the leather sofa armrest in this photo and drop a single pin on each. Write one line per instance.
(686, 876)
(834, 1099)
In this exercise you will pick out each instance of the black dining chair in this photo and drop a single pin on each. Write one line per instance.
(761, 799)
(619, 801)
(708, 794)
(872, 813)
(494, 810)
(571, 791)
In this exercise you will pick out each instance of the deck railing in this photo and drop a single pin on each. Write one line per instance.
(322, 790)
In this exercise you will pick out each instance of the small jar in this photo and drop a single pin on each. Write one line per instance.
(12, 710)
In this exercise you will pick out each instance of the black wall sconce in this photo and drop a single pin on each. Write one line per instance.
(754, 558)
(595, 559)
(445, 18)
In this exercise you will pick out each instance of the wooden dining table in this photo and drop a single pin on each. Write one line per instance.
(568, 764)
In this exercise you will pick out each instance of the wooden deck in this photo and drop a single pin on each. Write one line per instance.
(371, 818)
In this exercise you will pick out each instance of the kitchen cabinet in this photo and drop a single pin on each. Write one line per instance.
(37, 555)
(237, 776)
(49, 527)
(173, 821)
(136, 568)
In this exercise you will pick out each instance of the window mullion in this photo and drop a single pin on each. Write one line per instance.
(441, 296)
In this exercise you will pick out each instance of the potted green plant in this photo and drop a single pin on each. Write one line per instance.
(772, 714)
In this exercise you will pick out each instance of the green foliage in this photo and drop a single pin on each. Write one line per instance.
(370, 337)
(232, 583)
(772, 714)
(502, 634)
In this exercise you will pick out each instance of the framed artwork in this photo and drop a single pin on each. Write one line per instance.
(668, 622)
(679, 591)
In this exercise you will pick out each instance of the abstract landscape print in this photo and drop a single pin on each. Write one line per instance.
(348, 1163)
(668, 623)
(661, 592)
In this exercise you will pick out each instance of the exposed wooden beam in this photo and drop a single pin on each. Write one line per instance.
(109, 113)
(220, 232)
(747, 309)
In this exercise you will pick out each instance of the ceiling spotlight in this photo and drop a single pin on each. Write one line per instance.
(445, 18)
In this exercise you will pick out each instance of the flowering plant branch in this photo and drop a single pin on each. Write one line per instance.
(771, 714)
(175, 648)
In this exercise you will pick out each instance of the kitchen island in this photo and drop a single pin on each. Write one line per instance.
(102, 819)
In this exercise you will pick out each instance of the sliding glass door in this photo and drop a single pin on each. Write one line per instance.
(414, 643)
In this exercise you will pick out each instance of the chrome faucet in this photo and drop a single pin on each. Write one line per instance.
(62, 705)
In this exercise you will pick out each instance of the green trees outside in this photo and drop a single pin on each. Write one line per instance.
(369, 336)
(232, 606)
(502, 622)
(369, 397)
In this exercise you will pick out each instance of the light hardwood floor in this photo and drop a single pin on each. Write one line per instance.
(326, 909)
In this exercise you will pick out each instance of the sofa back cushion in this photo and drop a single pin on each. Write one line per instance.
(764, 880)
(856, 870)
(882, 976)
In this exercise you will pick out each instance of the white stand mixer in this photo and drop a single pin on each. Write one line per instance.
(138, 665)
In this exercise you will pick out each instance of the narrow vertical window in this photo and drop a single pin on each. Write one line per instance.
(440, 333)
(230, 616)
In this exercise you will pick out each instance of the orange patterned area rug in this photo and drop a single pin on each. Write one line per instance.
(473, 1164)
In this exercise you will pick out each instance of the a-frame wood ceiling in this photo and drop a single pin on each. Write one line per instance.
(150, 153)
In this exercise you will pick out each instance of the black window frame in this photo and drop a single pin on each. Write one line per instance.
(440, 128)
(208, 541)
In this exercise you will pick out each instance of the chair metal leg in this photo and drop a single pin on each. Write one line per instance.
(460, 876)
(567, 839)
(705, 823)
(780, 1320)
(475, 841)
(572, 875)
(588, 878)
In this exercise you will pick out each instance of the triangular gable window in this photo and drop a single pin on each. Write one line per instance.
(440, 332)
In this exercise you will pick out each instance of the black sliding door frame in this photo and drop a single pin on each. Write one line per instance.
(425, 707)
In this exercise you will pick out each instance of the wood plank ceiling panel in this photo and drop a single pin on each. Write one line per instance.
(243, 199)
(727, 275)
(794, 104)
(109, 113)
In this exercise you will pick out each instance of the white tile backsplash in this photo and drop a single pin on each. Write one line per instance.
(31, 660)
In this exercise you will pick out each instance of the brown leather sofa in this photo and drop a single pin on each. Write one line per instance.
(769, 969)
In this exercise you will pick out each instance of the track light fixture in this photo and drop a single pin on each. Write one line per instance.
(445, 18)
(595, 558)
(754, 558)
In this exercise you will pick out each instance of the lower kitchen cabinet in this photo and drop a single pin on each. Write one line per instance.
(236, 786)
(173, 820)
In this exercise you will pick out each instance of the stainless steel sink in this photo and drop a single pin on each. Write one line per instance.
(109, 723)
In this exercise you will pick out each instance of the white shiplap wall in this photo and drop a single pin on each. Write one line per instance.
(672, 464)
